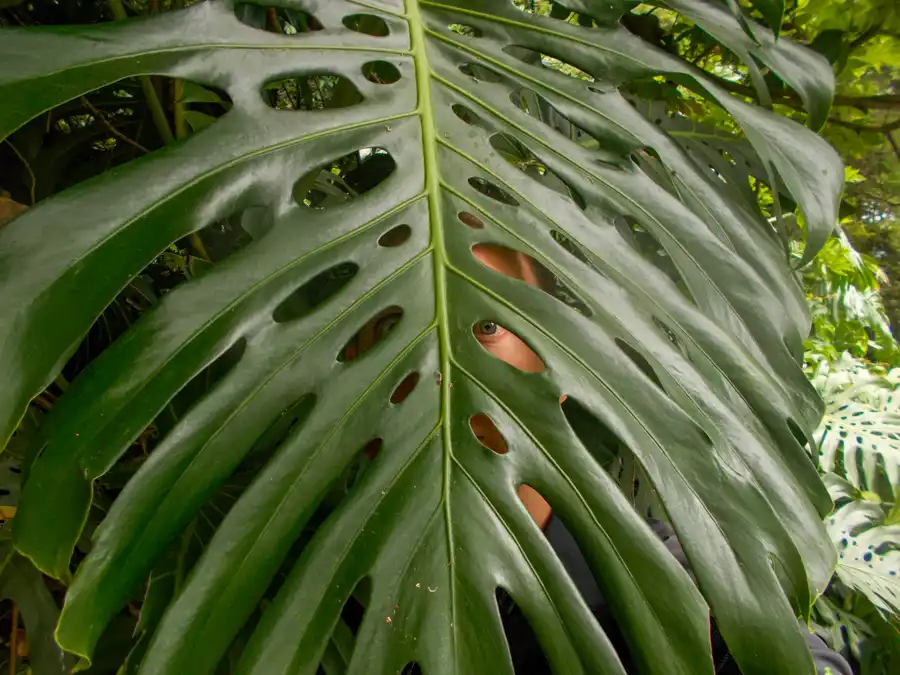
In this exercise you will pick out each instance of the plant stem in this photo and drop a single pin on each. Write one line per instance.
(109, 125)
(156, 109)
(178, 110)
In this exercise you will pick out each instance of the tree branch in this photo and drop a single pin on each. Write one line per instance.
(109, 125)
(883, 129)
(883, 101)
(865, 36)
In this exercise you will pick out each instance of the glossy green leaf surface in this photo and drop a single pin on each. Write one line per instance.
(434, 525)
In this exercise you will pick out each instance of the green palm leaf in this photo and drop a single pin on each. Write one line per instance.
(680, 280)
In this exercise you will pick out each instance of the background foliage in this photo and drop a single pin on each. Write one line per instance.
(853, 286)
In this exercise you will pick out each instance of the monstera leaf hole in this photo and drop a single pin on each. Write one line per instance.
(315, 292)
(488, 434)
(517, 154)
(599, 440)
(275, 19)
(530, 56)
(535, 105)
(470, 219)
(647, 245)
(638, 359)
(518, 265)
(465, 114)
(344, 178)
(371, 334)
(224, 237)
(571, 248)
(204, 381)
(396, 236)
(797, 433)
(381, 72)
(290, 419)
(405, 388)
(368, 24)
(465, 30)
(311, 91)
(480, 73)
(492, 190)
(649, 161)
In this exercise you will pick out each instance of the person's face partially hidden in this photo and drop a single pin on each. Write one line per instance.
(500, 342)
(507, 346)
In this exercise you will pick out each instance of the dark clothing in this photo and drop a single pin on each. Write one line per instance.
(528, 658)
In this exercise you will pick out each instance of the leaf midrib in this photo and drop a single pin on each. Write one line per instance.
(425, 109)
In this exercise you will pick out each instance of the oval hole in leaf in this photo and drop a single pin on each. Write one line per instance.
(638, 359)
(395, 236)
(540, 108)
(204, 381)
(275, 19)
(311, 91)
(488, 434)
(648, 246)
(465, 114)
(528, 163)
(507, 346)
(530, 56)
(480, 73)
(599, 440)
(344, 179)
(671, 336)
(349, 478)
(560, 12)
(281, 428)
(411, 668)
(381, 72)
(522, 266)
(470, 219)
(570, 247)
(211, 244)
(536, 505)
(405, 388)
(465, 30)
(315, 292)
(373, 332)
(797, 432)
(368, 24)
(489, 189)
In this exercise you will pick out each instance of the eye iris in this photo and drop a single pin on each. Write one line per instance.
(487, 328)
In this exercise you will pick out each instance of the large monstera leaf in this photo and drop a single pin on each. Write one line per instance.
(683, 344)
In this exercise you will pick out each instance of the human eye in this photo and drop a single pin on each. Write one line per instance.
(486, 331)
